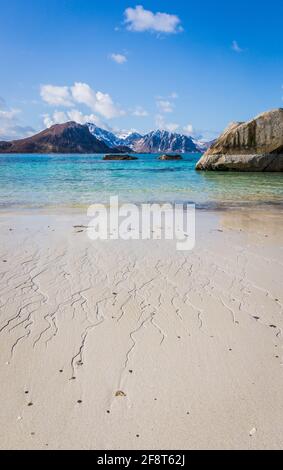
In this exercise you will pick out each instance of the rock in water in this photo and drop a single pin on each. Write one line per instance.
(170, 157)
(256, 145)
(119, 157)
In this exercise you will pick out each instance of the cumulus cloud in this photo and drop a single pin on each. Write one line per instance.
(118, 58)
(80, 118)
(10, 126)
(56, 95)
(59, 117)
(98, 102)
(81, 93)
(140, 112)
(236, 47)
(106, 107)
(9, 114)
(165, 106)
(188, 129)
(138, 19)
(167, 126)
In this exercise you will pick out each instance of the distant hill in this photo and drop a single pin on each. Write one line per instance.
(60, 138)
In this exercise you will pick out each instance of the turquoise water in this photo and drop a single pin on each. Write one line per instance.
(37, 181)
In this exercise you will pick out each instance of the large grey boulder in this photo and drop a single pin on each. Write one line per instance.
(256, 145)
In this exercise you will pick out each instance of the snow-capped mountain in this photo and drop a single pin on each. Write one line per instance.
(164, 141)
(105, 136)
(132, 138)
(201, 145)
(153, 142)
(111, 139)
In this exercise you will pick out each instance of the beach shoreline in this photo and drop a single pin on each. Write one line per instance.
(131, 344)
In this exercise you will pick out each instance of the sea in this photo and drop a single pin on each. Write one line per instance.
(76, 181)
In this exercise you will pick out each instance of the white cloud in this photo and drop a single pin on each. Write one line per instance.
(9, 114)
(236, 47)
(165, 106)
(106, 107)
(171, 126)
(174, 95)
(56, 95)
(59, 117)
(188, 129)
(81, 93)
(139, 19)
(80, 118)
(10, 126)
(118, 58)
(98, 102)
(15, 131)
(167, 126)
(140, 112)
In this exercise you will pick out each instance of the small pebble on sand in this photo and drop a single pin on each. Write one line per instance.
(252, 432)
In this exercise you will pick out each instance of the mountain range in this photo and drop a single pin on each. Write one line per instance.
(154, 142)
(71, 137)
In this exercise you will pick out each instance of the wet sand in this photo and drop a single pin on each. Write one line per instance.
(134, 345)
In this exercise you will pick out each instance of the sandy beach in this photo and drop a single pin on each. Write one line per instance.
(134, 345)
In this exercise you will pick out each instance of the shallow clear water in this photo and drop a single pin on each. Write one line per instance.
(32, 181)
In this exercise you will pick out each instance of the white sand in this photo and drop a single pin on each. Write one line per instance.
(176, 332)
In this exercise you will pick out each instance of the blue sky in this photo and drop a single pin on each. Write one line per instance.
(185, 66)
